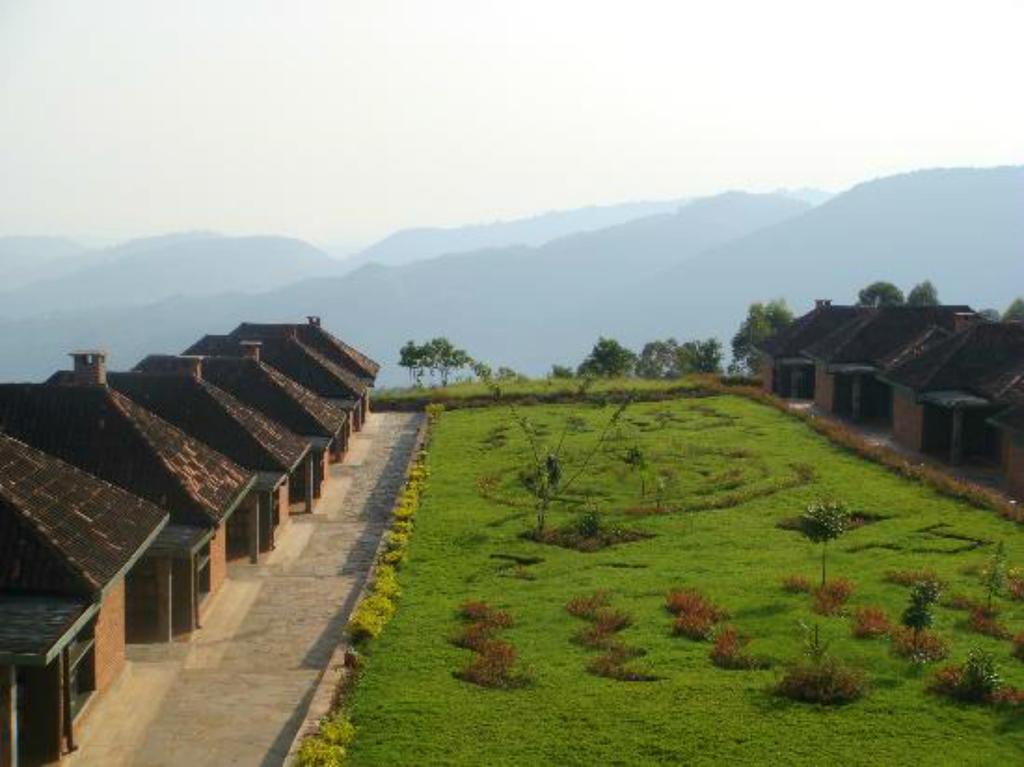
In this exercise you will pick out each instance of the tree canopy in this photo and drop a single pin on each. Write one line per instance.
(659, 359)
(700, 356)
(608, 359)
(763, 320)
(1015, 311)
(438, 355)
(923, 294)
(880, 294)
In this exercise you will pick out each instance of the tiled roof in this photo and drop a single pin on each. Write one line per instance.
(986, 358)
(882, 336)
(276, 396)
(214, 417)
(33, 625)
(106, 434)
(92, 527)
(312, 334)
(1011, 419)
(808, 329)
(290, 356)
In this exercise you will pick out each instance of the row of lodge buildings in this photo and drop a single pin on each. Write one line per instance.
(944, 380)
(123, 496)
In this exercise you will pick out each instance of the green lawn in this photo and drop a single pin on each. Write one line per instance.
(409, 708)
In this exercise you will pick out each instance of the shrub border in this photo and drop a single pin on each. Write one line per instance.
(340, 673)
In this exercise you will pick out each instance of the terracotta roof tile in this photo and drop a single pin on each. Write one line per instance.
(92, 527)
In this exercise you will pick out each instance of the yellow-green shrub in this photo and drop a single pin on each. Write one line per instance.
(370, 617)
(328, 748)
(385, 582)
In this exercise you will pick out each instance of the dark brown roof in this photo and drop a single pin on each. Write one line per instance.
(314, 336)
(215, 418)
(885, 335)
(276, 396)
(106, 434)
(808, 329)
(1012, 419)
(986, 359)
(91, 527)
(299, 362)
(32, 625)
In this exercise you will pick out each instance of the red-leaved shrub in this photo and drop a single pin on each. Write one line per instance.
(796, 584)
(1018, 646)
(613, 665)
(828, 683)
(985, 621)
(870, 622)
(730, 651)
(962, 602)
(918, 646)
(830, 598)
(910, 577)
(474, 610)
(587, 606)
(492, 665)
(696, 615)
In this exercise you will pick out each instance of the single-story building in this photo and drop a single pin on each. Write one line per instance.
(271, 393)
(89, 425)
(68, 544)
(182, 397)
(945, 400)
(848, 361)
(1010, 423)
(785, 370)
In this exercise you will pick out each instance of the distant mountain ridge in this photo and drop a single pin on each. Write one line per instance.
(422, 243)
(688, 274)
(156, 268)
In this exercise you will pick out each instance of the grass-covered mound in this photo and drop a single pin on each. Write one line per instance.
(714, 478)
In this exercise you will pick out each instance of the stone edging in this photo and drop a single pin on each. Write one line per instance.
(340, 667)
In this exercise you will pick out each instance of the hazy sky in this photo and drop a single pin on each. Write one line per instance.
(342, 119)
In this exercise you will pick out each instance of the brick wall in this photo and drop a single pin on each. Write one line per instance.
(907, 420)
(218, 557)
(110, 637)
(1013, 463)
(282, 505)
(824, 388)
(767, 374)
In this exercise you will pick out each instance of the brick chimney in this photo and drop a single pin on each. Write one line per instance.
(963, 320)
(90, 367)
(822, 303)
(313, 320)
(251, 349)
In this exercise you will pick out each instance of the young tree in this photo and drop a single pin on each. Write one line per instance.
(545, 471)
(444, 358)
(637, 461)
(993, 577)
(412, 356)
(824, 521)
(608, 359)
(1015, 311)
(918, 615)
(562, 371)
(658, 359)
(700, 356)
(481, 370)
(923, 294)
(880, 294)
(763, 321)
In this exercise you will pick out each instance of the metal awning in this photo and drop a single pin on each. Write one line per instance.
(795, 361)
(954, 398)
(34, 629)
(179, 541)
(269, 480)
(852, 367)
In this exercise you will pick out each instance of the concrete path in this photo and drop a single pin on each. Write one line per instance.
(237, 693)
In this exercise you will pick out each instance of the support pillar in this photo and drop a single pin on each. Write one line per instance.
(65, 693)
(254, 529)
(309, 481)
(164, 604)
(956, 440)
(9, 717)
(267, 527)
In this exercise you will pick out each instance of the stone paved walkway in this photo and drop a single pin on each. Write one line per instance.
(238, 692)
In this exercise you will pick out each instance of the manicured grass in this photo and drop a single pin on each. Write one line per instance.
(758, 467)
(539, 387)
